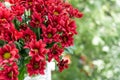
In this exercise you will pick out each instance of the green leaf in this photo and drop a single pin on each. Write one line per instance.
(16, 23)
(22, 72)
(69, 50)
(2, 43)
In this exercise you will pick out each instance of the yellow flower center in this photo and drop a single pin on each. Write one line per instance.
(37, 22)
(56, 13)
(3, 19)
(65, 39)
(36, 50)
(49, 35)
(36, 66)
(10, 74)
(27, 37)
(30, 3)
(54, 52)
(6, 55)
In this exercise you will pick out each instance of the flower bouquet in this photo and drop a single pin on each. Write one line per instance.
(33, 32)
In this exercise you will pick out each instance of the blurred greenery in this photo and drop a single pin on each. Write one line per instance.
(96, 53)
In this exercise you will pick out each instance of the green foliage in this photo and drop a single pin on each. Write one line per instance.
(96, 53)
(23, 60)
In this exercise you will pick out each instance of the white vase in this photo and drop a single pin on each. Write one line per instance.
(50, 67)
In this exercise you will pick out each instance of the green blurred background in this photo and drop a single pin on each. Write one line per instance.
(96, 53)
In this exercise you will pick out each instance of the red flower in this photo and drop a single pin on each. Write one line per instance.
(6, 15)
(37, 49)
(36, 20)
(29, 3)
(15, 34)
(50, 34)
(6, 35)
(9, 71)
(66, 39)
(72, 11)
(28, 34)
(18, 11)
(23, 26)
(63, 64)
(39, 7)
(55, 52)
(36, 67)
(8, 52)
(70, 27)
(10, 34)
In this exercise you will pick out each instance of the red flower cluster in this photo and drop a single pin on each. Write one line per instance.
(45, 27)
(9, 71)
(8, 57)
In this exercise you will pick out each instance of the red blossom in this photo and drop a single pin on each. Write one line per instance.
(6, 14)
(66, 39)
(23, 26)
(54, 53)
(18, 11)
(39, 8)
(72, 11)
(9, 71)
(36, 20)
(63, 64)
(37, 49)
(8, 52)
(10, 34)
(29, 3)
(15, 34)
(29, 35)
(50, 34)
(36, 67)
